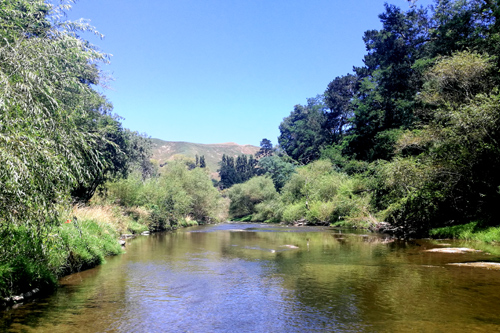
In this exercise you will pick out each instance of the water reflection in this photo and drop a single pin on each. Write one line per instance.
(261, 278)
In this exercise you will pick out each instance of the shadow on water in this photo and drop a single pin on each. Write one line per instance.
(267, 278)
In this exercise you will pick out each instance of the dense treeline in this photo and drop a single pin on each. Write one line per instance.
(412, 136)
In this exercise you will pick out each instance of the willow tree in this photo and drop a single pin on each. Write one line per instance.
(48, 108)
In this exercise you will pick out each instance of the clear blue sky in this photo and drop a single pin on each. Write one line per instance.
(213, 71)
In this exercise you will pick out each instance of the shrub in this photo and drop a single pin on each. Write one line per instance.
(244, 197)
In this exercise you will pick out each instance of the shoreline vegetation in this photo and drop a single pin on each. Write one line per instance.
(408, 144)
(93, 233)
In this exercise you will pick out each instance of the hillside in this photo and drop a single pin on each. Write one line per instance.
(165, 150)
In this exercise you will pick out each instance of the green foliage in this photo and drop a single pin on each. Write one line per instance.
(338, 98)
(179, 193)
(451, 173)
(47, 105)
(38, 261)
(266, 149)
(316, 193)
(277, 168)
(244, 197)
(203, 164)
(417, 126)
(457, 79)
(136, 227)
(294, 212)
(235, 172)
(305, 132)
(470, 231)
(57, 136)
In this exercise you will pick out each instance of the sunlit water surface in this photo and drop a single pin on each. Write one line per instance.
(242, 277)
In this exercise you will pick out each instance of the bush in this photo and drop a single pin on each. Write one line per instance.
(244, 197)
(321, 194)
(320, 212)
(170, 198)
(294, 212)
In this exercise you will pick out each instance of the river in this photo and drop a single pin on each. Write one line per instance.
(240, 277)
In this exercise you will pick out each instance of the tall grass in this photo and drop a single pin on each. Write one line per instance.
(471, 231)
(37, 261)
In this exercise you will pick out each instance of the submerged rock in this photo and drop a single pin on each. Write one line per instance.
(125, 236)
(290, 246)
(487, 265)
(18, 299)
(453, 250)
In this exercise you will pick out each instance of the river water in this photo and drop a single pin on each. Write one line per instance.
(241, 277)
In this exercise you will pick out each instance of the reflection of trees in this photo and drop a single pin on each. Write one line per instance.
(340, 282)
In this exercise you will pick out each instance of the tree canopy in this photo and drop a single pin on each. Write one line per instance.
(418, 120)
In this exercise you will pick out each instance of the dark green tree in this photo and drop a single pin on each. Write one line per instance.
(304, 133)
(234, 172)
(387, 84)
(275, 167)
(338, 98)
(266, 149)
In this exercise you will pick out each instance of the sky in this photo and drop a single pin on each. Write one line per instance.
(214, 71)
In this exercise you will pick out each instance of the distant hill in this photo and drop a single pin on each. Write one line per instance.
(163, 151)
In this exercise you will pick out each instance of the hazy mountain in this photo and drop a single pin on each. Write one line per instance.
(163, 151)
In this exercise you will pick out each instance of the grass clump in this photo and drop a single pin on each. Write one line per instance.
(470, 231)
(82, 244)
(38, 260)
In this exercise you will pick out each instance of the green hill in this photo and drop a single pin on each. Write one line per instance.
(164, 151)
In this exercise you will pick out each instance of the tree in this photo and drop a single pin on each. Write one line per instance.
(48, 138)
(275, 167)
(56, 130)
(455, 178)
(304, 132)
(227, 172)
(266, 149)
(388, 82)
(338, 98)
(203, 164)
(232, 172)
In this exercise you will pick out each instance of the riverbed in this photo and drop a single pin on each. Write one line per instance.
(241, 277)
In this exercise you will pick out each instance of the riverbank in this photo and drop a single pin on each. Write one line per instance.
(79, 242)
(475, 231)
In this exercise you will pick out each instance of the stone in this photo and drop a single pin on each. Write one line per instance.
(125, 236)
(487, 265)
(453, 250)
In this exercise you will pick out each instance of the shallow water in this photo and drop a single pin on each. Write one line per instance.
(243, 277)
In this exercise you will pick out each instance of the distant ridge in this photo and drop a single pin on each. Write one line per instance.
(163, 151)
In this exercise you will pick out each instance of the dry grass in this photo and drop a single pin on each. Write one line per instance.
(107, 214)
